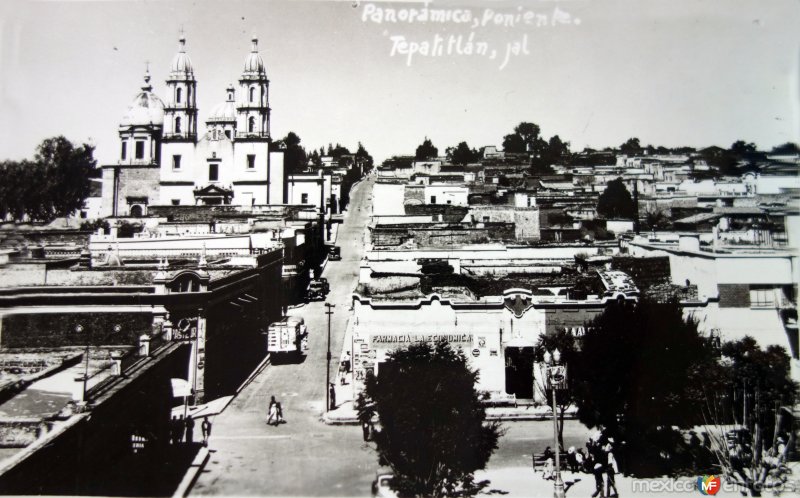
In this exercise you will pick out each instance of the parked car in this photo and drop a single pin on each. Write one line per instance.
(381, 488)
(334, 253)
(318, 289)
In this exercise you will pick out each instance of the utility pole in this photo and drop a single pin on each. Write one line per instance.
(328, 312)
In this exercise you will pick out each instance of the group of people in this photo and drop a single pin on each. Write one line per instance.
(275, 413)
(180, 427)
(598, 459)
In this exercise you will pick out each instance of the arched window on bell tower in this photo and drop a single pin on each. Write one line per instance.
(252, 94)
(178, 94)
(251, 124)
(178, 124)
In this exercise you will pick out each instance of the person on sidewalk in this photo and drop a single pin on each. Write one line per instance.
(205, 428)
(279, 411)
(190, 430)
(572, 462)
(365, 429)
(598, 480)
(332, 392)
(347, 363)
(272, 411)
(549, 467)
(611, 469)
(174, 430)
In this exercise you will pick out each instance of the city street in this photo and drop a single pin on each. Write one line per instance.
(304, 456)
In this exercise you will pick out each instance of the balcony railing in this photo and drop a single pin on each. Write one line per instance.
(252, 134)
(179, 136)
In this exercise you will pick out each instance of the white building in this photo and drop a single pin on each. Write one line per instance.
(163, 160)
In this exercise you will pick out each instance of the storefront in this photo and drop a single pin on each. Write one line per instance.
(497, 334)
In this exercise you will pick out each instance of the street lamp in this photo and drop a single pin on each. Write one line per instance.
(556, 375)
(328, 312)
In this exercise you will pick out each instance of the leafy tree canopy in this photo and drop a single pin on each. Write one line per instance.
(787, 148)
(641, 369)
(434, 432)
(56, 183)
(631, 147)
(426, 150)
(295, 157)
(524, 137)
(462, 154)
(616, 201)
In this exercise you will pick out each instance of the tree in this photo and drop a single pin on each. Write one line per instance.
(524, 138)
(339, 151)
(631, 147)
(655, 219)
(295, 157)
(616, 201)
(785, 149)
(640, 372)
(364, 157)
(762, 389)
(56, 183)
(426, 150)
(434, 432)
(462, 154)
(742, 148)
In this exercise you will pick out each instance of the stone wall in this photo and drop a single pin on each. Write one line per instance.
(58, 329)
(133, 182)
(525, 219)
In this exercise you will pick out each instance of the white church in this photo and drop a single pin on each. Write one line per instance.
(163, 161)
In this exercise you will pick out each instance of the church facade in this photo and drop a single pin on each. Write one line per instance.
(163, 160)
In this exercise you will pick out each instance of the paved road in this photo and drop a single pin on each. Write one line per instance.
(302, 457)
(305, 457)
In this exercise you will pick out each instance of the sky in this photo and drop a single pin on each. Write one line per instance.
(594, 72)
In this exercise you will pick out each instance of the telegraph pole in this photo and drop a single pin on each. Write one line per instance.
(328, 312)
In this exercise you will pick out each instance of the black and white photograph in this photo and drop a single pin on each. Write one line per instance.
(399, 248)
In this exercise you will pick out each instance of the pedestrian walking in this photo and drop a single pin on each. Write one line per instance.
(205, 428)
(580, 460)
(347, 363)
(279, 413)
(598, 480)
(272, 411)
(190, 430)
(342, 373)
(365, 428)
(173, 430)
(611, 469)
(572, 462)
(332, 392)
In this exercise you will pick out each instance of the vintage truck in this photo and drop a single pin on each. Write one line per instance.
(287, 336)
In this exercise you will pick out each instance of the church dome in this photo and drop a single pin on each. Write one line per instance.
(181, 64)
(146, 108)
(224, 112)
(253, 63)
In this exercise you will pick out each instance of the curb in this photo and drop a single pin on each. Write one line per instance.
(261, 366)
(192, 474)
(512, 417)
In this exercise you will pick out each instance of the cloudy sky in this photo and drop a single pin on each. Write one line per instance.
(595, 72)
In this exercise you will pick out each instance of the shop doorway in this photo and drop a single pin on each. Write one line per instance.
(519, 372)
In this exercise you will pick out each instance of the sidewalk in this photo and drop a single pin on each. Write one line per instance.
(345, 413)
